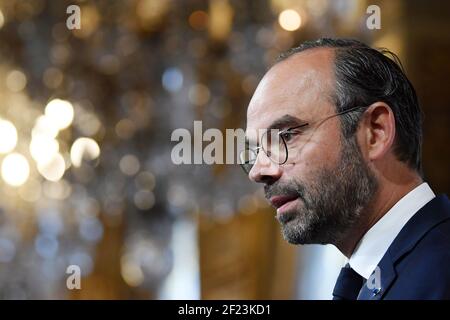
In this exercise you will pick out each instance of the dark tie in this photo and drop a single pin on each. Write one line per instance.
(348, 284)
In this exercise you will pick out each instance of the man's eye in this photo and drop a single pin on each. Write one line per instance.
(288, 135)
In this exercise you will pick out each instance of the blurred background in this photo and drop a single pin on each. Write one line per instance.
(86, 118)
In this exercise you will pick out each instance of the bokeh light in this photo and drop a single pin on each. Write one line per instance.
(52, 78)
(131, 271)
(290, 20)
(198, 20)
(16, 81)
(125, 128)
(15, 169)
(129, 164)
(60, 112)
(145, 180)
(84, 148)
(2, 19)
(8, 136)
(88, 123)
(144, 199)
(172, 79)
(46, 246)
(44, 126)
(43, 148)
(199, 94)
(53, 169)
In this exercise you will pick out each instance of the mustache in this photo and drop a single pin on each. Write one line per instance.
(286, 189)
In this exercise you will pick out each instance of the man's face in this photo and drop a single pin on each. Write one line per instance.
(322, 189)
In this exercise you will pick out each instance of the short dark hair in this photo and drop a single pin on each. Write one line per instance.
(365, 75)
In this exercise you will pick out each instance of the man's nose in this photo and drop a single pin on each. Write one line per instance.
(264, 170)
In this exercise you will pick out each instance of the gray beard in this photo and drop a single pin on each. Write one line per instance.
(329, 207)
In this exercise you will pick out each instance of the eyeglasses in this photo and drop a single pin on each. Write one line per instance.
(277, 144)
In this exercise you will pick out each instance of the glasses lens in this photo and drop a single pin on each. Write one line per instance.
(247, 159)
(274, 146)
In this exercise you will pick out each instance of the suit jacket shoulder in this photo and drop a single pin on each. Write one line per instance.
(417, 264)
(424, 272)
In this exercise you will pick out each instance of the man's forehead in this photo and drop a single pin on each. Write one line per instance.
(298, 87)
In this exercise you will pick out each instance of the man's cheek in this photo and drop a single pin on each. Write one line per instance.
(303, 166)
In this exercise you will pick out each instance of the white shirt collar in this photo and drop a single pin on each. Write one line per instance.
(374, 244)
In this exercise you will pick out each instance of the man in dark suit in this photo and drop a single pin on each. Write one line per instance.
(334, 134)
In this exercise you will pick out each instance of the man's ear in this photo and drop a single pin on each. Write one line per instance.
(378, 130)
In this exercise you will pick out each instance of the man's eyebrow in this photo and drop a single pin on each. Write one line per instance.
(286, 121)
(280, 124)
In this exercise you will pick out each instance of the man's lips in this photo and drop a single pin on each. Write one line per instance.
(279, 201)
